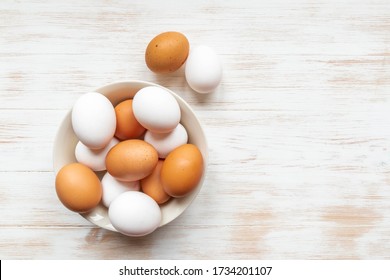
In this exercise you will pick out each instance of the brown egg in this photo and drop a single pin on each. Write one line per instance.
(167, 52)
(152, 186)
(127, 127)
(78, 187)
(131, 160)
(182, 170)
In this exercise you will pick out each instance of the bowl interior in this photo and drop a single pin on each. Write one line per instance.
(66, 140)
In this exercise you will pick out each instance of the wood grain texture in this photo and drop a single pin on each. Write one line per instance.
(298, 131)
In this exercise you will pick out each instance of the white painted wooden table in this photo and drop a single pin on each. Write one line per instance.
(299, 130)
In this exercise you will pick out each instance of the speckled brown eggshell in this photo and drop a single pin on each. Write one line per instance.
(167, 52)
(131, 160)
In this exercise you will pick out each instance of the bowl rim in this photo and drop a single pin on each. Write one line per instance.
(205, 152)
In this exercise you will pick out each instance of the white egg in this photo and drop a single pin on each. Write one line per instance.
(112, 188)
(164, 143)
(156, 109)
(203, 70)
(134, 214)
(93, 120)
(94, 158)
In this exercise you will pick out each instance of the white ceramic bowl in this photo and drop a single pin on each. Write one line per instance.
(66, 140)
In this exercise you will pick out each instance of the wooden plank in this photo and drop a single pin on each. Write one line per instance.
(252, 242)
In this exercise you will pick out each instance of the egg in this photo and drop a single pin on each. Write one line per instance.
(94, 159)
(134, 214)
(156, 109)
(131, 160)
(78, 187)
(151, 185)
(182, 170)
(112, 188)
(167, 52)
(203, 70)
(164, 143)
(127, 126)
(93, 120)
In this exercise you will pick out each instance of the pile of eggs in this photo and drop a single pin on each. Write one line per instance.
(143, 148)
(140, 143)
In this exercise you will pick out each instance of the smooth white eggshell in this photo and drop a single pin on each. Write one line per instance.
(164, 143)
(112, 188)
(94, 158)
(93, 120)
(156, 109)
(203, 70)
(134, 214)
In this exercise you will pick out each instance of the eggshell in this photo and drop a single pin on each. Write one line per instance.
(127, 126)
(182, 170)
(112, 188)
(131, 160)
(167, 52)
(152, 186)
(94, 159)
(164, 143)
(203, 69)
(93, 120)
(134, 214)
(78, 187)
(156, 109)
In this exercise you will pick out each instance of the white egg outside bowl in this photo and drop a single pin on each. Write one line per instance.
(66, 140)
